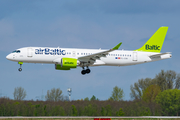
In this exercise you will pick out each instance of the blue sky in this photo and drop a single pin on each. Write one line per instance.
(84, 24)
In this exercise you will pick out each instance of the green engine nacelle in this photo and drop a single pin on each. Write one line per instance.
(66, 64)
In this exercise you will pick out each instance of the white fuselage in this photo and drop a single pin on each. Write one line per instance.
(51, 55)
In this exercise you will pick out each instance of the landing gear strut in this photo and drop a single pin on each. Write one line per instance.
(20, 63)
(83, 72)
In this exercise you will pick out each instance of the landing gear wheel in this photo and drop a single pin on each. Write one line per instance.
(20, 63)
(83, 72)
(20, 69)
(88, 71)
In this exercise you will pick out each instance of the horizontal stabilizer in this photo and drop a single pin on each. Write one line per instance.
(158, 55)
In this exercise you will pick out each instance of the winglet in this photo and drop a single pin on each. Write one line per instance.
(117, 46)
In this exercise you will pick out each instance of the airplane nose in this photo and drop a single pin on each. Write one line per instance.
(8, 57)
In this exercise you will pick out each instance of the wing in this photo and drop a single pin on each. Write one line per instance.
(90, 59)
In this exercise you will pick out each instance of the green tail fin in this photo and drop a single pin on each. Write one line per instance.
(155, 43)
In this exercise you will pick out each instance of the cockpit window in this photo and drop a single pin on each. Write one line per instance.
(16, 51)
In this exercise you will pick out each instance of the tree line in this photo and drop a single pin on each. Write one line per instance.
(150, 96)
(10, 107)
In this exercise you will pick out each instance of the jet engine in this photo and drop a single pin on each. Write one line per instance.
(66, 64)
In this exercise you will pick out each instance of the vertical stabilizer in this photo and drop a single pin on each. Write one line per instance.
(155, 43)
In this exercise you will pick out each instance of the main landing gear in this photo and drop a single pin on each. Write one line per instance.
(20, 63)
(83, 72)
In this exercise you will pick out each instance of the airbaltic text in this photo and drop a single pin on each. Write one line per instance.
(48, 51)
(152, 47)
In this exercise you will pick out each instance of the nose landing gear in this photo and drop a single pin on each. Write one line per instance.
(20, 63)
(20, 69)
(83, 72)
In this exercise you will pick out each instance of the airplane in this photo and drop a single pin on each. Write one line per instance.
(69, 58)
